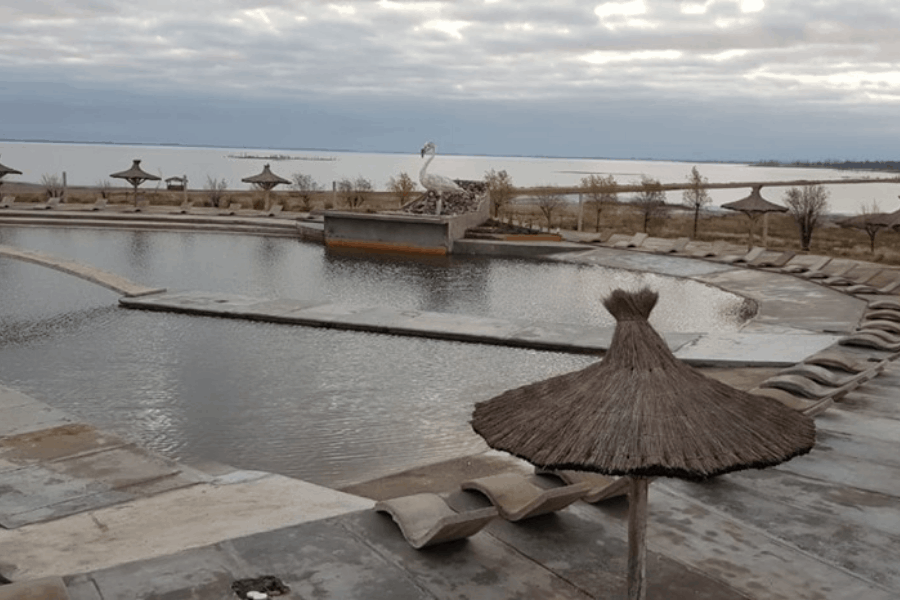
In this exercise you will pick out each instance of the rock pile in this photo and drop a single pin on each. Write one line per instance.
(453, 204)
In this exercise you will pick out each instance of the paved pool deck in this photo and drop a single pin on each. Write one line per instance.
(93, 517)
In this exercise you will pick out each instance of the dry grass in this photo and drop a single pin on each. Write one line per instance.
(829, 239)
(249, 199)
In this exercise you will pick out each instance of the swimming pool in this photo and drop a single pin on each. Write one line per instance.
(326, 406)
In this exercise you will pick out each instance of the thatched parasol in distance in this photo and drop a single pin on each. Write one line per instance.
(4, 171)
(135, 176)
(753, 206)
(641, 413)
(266, 180)
(872, 222)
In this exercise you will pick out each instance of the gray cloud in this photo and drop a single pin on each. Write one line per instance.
(798, 56)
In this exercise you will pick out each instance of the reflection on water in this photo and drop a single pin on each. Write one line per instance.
(327, 406)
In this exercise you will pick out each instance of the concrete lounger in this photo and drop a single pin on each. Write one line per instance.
(835, 359)
(751, 255)
(777, 263)
(714, 250)
(886, 304)
(821, 274)
(825, 376)
(810, 408)
(888, 314)
(602, 487)
(806, 387)
(868, 339)
(517, 498)
(818, 265)
(426, 519)
(635, 241)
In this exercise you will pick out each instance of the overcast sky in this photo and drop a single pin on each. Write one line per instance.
(694, 80)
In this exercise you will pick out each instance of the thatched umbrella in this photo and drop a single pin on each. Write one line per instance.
(641, 413)
(266, 180)
(753, 206)
(135, 176)
(4, 171)
(872, 223)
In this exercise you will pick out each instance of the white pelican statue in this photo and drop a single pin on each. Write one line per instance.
(435, 183)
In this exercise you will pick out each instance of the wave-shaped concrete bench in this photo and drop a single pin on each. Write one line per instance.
(851, 363)
(426, 519)
(601, 487)
(518, 498)
(810, 408)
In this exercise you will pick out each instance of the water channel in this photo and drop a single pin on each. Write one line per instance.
(326, 406)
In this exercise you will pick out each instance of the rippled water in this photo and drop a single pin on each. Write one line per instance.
(327, 406)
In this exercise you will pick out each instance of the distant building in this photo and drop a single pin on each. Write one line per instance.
(176, 184)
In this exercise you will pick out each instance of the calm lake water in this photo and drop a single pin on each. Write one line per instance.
(326, 406)
(88, 164)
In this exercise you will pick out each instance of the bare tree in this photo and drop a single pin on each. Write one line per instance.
(651, 200)
(354, 192)
(104, 188)
(305, 186)
(696, 197)
(52, 185)
(599, 192)
(807, 205)
(871, 220)
(403, 186)
(215, 190)
(501, 189)
(549, 203)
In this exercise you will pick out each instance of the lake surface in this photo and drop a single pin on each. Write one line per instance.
(88, 164)
(326, 406)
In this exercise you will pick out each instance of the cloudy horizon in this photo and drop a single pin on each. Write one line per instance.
(723, 80)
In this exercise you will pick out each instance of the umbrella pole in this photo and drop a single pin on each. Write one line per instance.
(637, 538)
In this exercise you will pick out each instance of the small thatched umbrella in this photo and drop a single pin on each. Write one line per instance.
(641, 413)
(4, 171)
(753, 206)
(266, 180)
(872, 223)
(135, 176)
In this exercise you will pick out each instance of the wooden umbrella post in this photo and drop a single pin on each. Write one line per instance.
(637, 538)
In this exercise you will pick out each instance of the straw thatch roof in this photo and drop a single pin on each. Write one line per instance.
(641, 412)
(4, 170)
(267, 179)
(135, 175)
(754, 203)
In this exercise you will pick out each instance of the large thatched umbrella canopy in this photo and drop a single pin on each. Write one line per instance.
(4, 171)
(754, 206)
(871, 223)
(266, 180)
(642, 413)
(135, 176)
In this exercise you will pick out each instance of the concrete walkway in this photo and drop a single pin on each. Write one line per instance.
(108, 280)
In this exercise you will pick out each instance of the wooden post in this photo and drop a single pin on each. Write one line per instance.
(765, 237)
(637, 538)
(580, 211)
(65, 190)
(184, 193)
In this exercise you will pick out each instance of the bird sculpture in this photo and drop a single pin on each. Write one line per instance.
(435, 183)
